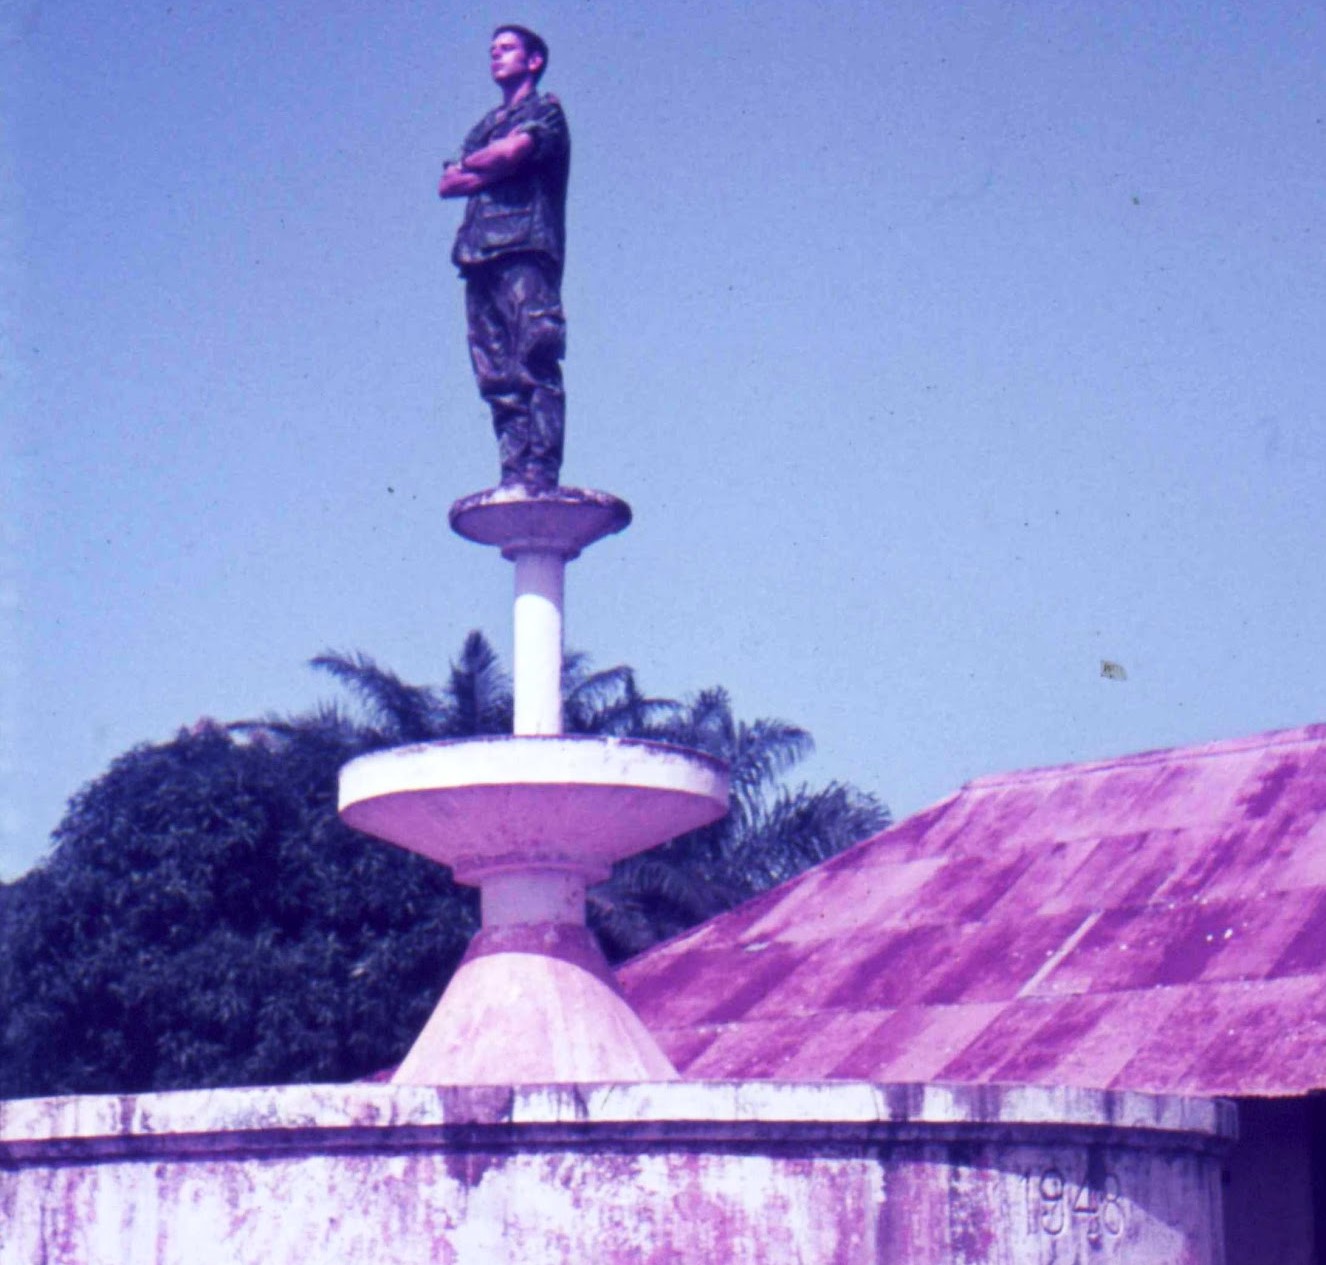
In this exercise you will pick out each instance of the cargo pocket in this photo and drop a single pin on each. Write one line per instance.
(496, 230)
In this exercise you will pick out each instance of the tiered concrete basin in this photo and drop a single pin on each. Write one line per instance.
(533, 819)
(488, 805)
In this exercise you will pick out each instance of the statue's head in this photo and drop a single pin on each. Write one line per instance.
(533, 52)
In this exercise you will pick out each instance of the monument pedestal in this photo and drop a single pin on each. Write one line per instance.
(532, 820)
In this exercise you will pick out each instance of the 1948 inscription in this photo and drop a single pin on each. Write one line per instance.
(1056, 1205)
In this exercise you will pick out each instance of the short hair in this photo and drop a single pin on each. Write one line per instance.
(529, 41)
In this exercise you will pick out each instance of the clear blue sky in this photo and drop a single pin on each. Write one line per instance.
(943, 351)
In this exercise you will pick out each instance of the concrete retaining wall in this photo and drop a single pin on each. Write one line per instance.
(744, 1172)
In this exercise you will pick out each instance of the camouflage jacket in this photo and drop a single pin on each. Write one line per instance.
(526, 212)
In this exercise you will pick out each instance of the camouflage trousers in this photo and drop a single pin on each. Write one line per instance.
(517, 337)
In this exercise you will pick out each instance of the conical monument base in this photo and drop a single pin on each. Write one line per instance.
(534, 1003)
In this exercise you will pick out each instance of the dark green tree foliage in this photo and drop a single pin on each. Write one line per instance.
(204, 918)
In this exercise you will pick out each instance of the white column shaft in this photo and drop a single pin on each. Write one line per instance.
(533, 895)
(538, 642)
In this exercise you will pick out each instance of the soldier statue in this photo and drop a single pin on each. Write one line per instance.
(510, 248)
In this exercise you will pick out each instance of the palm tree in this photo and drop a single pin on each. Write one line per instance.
(475, 700)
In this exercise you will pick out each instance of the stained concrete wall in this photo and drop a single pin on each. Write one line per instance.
(743, 1173)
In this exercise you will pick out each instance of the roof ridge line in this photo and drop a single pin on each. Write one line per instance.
(1300, 736)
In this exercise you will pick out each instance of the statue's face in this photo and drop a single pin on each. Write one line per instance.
(508, 60)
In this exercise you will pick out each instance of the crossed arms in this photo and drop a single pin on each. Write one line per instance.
(494, 162)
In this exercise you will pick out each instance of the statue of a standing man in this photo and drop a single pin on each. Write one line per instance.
(510, 248)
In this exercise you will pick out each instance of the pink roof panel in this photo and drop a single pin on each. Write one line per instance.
(1152, 922)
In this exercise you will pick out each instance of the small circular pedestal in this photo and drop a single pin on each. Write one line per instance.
(562, 521)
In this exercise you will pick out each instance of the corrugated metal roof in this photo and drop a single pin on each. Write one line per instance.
(1156, 922)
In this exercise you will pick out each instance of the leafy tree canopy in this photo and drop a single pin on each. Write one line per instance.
(204, 918)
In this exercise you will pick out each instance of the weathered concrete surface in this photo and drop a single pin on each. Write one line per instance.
(515, 519)
(735, 1172)
(533, 1003)
(532, 820)
(489, 805)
